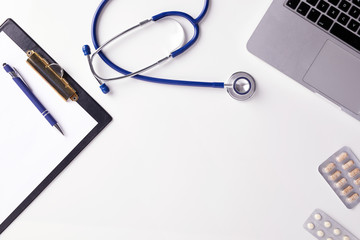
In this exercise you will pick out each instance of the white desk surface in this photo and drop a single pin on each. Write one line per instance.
(186, 163)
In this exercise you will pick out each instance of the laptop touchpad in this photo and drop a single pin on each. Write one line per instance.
(336, 73)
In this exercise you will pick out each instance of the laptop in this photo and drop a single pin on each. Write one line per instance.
(316, 43)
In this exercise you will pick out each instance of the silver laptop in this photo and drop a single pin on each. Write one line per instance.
(317, 43)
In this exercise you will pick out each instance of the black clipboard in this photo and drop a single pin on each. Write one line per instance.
(25, 42)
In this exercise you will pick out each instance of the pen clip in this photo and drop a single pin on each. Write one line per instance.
(21, 78)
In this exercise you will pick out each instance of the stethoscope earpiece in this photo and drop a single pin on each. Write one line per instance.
(104, 88)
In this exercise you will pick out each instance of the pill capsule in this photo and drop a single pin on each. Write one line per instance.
(320, 233)
(357, 181)
(310, 226)
(327, 224)
(354, 172)
(337, 231)
(317, 216)
(329, 238)
(353, 198)
(329, 167)
(342, 157)
(341, 183)
(335, 175)
(347, 190)
(348, 165)
(346, 238)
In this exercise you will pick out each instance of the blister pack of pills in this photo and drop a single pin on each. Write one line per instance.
(342, 173)
(322, 226)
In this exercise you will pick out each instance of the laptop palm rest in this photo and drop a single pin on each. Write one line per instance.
(336, 73)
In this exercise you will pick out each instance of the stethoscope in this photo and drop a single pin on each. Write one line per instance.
(241, 85)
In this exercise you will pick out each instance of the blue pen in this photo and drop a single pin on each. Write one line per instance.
(17, 78)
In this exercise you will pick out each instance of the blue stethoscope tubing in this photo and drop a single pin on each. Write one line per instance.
(194, 23)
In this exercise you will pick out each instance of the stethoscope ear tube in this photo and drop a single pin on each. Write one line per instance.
(87, 52)
(241, 86)
(137, 75)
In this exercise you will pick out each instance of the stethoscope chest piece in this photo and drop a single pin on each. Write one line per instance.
(241, 86)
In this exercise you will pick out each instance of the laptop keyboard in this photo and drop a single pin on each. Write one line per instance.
(341, 18)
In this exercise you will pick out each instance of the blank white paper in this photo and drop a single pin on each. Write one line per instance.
(29, 147)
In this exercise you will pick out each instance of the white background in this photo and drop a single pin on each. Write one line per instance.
(186, 163)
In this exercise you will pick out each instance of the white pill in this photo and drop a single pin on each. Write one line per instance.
(327, 224)
(341, 183)
(354, 172)
(342, 157)
(347, 190)
(348, 165)
(337, 231)
(346, 238)
(353, 198)
(317, 216)
(320, 233)
(310, 226)
(329, 239)
(335, 176)
(357, 181)
(329, 167)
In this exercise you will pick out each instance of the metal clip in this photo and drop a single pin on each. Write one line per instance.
(55, 79)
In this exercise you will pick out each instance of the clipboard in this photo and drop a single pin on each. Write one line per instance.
(85, 101)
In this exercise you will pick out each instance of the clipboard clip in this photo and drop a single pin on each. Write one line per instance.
(53, 73)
